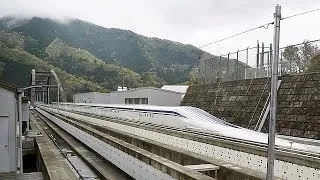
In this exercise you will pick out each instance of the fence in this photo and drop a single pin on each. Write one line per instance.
(255, 62)
(226, 67)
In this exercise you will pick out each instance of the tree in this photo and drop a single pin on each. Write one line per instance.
(2, 64)
(307, 52)
(151, 79)
(193, 77)
(291, 58)
(314, 64)
(297, 58)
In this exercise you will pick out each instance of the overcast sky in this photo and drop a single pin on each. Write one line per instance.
(195, 22)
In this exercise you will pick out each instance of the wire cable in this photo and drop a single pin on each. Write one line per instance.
(299, 14)
(300, 43)
(262, 26)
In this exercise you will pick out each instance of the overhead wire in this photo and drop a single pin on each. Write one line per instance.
(300, 43)
(299, 14)
(229, 37)
(258, 27)
(249, 48)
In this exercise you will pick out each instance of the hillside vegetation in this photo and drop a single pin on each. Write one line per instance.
(90, 57)
(16, 65)
(141, 54)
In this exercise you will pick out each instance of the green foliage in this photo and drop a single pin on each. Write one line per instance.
(16, 65)
(9, 22)
(297, 58)
(314, 64)
(12, 40)
(128, 49)
(88, 57)
(193, 78)
(151, 79)
(131, 79)
(2, 65)
(82, 63)
(32, 46)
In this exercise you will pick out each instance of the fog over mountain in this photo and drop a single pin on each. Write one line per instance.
(184, 21)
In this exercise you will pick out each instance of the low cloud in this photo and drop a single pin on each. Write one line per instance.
(186, 21)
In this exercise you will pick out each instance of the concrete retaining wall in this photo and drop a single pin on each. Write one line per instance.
(241, 102)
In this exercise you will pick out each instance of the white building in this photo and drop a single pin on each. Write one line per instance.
(8, 122)
(144, 95)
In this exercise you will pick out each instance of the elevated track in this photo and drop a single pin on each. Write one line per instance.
(144, 149)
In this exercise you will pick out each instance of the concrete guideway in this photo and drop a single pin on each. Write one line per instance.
(137, 162)
(286, 170)
(25, 176)
(51, 161)
(178, 155)
(104, 169)
(171, 152)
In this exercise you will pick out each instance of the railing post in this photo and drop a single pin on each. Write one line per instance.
(205, 71)
(247, 56)
(262, 56)
(220, 65)
(236, 67)
(257, 62)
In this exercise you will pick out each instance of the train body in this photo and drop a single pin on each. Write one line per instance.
(184, 117)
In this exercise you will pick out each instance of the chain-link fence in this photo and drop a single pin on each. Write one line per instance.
(225, 67)
(255, 62)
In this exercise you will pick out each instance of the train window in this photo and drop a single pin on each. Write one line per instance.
(137, 100)
(144, 100)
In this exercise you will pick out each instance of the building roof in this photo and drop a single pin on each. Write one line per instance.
(176, 88)
(92, 93)
(135, 89)
(153, 88)
(8, 86)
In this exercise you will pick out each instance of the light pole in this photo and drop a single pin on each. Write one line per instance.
(273, 97)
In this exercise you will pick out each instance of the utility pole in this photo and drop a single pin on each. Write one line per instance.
(273, 97)
(20, 91)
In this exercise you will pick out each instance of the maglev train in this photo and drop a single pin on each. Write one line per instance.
(184, 117)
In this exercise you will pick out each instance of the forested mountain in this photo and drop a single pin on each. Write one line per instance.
(83, 64)
(126, 48)
(99, 57)
(16, 65)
